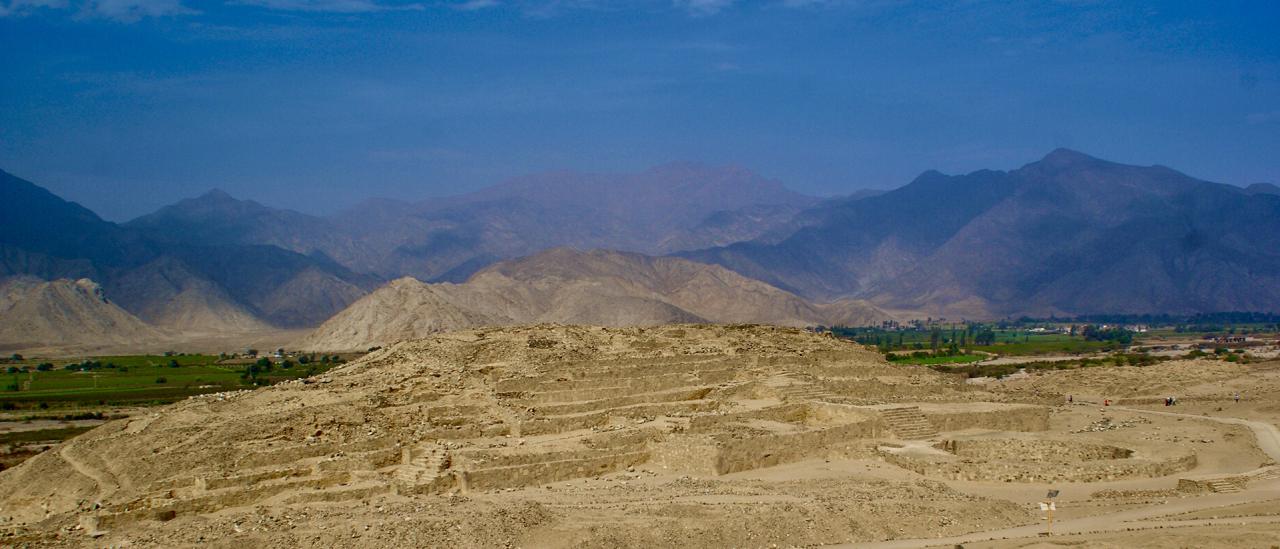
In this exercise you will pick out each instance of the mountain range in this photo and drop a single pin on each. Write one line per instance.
(229, 284)
(1067, 234)
(673, 207)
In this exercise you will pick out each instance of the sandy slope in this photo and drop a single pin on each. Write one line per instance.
(166, 293)
(567, 286)
(65, 312)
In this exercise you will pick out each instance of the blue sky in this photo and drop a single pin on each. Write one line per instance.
(125, 105)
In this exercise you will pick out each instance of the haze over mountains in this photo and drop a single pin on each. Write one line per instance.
(155, 278)
(667, 208)
(561, 285)
(1068, 234)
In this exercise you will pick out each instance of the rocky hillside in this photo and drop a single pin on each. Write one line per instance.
(1069, 234)
(166, 293)
(204, 286)
(35, 313)
(572, 287)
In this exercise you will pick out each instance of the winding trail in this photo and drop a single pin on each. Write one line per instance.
(106, 482)
(1134, 519)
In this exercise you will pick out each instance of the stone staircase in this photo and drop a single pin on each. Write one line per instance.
(908, 423)
(801, 390)
(426, 465)
(1222, 486)
(1270, 473)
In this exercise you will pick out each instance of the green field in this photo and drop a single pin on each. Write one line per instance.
(132, 380)
(1045, 345)
(938, 359)
(967, 339)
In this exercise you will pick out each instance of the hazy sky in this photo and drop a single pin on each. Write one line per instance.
(124, 105)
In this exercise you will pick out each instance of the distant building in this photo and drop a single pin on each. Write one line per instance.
(1230, 339)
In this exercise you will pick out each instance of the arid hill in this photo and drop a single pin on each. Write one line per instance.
(165, 293)
(424, 443)
(599, 287)
(36, 313)
(674, 435)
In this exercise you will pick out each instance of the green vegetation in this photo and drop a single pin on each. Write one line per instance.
(1001, 370)
(922, 357)
(961, 347)
(999, 339)
(141, 379)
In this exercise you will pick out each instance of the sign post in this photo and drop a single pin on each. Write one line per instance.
(1049, 507)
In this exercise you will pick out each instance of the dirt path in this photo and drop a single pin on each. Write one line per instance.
(106, 482)
(1135, 519)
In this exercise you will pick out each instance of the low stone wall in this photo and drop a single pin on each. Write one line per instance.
(691, 454)
(490, 459)
(560, 424)
(624, 439)
(786, 413)
(640, 367)
(567, 395)
(1046, 451)
(363, 461)
(549, 471)
(616, 402)
(875, 391)
(766, 451)
(345, 494)
(446, 411)
(212, 501)
(290, 454)
(630, 377)
(217, 483)
(656, 381)
(820, 413)
(1023, 418)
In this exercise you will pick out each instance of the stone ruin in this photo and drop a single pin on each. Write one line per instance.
(485, 414)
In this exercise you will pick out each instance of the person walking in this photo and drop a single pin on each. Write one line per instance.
(1237, 398)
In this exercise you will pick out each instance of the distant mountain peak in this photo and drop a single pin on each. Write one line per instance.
(1062, 157)
(217, 194)
(694, 166)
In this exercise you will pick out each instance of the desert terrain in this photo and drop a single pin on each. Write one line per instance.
(691, 435)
